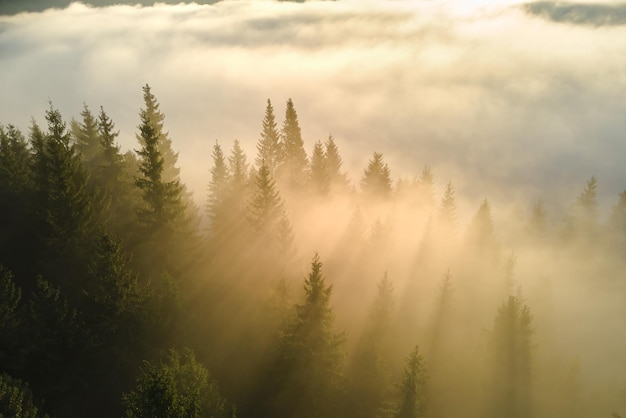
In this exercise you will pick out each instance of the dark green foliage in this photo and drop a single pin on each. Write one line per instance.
(162, 198)
(16, 399)
(295, 160)
(412, 401)
(179, 387)
(376, 180)
(308, 375)
(63, 204)
(269, 148)
(152, 114)
(512, 360)
(87, 138)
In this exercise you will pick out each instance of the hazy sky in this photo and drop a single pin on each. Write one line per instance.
(502, 98)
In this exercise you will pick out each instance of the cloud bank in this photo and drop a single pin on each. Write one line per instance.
(499, 102)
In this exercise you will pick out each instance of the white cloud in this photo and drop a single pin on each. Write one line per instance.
(498, 101)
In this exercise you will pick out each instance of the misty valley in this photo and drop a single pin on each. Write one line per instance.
(291, 288)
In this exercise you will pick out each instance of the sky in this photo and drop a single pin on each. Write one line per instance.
(509, 101)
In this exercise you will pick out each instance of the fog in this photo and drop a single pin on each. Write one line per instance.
(516, 108)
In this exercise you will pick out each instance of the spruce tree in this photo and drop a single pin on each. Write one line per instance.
(162, 206)
(87, 138)
(319, 175)
(266, 206)
(376, 180)
(238, 167)
(270, 147)
(481, 232)
(295, 160)
(309, 369)
(511, 345)
(218, 192)
(336, 177)
(446, 218)
(413, 399)
(155, 117)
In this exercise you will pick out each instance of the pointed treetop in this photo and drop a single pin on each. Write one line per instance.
(269, 147)
(376, 179)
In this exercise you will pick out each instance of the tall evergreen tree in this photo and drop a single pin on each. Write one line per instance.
(87, 138)
(334, 162)
(412, 402)
(162, 198)
(266, 206)
(153, 115)
(63, 205)
(319, 175)
(218, 191)
(512, 343)
(270, 147)
(447, 210)
(481, 231)
(309, 369)
(238, 167)
(295, 160)
(376, 180)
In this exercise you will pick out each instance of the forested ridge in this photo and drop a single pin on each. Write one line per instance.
(294, 290)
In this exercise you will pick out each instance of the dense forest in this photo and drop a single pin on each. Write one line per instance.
(294, 290)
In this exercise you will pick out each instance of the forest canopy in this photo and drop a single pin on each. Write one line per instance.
(292, 289)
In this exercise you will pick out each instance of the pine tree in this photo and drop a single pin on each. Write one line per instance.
(376, 180)
(295, 160)
(155, 117)
(447, 210)
(266, 206)
(413, 399)
(319, 175)
(87, 138)
(336, 177)
(238, 167)
(481, 231)
(63, 203)
(585, 212)
(309, 370)
(269, 148)
(218, 191)
(162, 199)
(512, 360)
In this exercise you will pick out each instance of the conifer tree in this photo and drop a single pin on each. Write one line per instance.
(412, 402)
(295, 160)
(270, 147)
(319, 175)
(238, 167)
(481, 232)
(155, 117)
(63, 204)
(585, 211)
(266, 206)
(376, 180)
(309, 369)
(162, 198)
(87, 138)
(447, 210)
(111, 168)
(336, 177)
(426, 184)
(512, 360)
(218, 191)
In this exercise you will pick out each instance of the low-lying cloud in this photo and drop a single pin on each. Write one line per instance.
(589, 14)
(501, 103)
